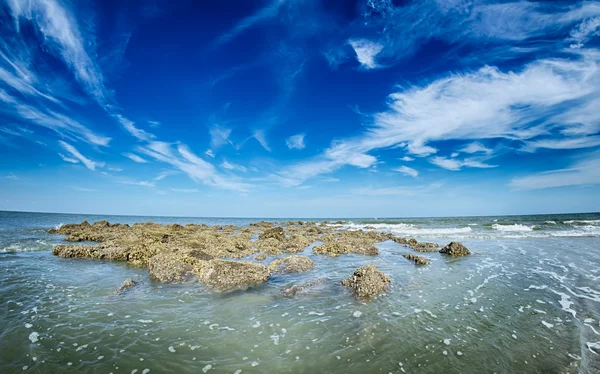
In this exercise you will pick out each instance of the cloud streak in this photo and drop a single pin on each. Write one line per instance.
(78, 157)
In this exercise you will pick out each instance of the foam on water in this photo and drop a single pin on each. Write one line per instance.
(515, 227)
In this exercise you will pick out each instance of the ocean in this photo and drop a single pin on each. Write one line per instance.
(526, 301)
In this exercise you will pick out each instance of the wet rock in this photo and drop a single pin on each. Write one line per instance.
(455, 249)
(412, 242)
(335, 249)
(168, 268)
(424, 247)
(127, 284)
(293, 290)
(224, 275)
(400, 240)
(419, 260)
(291, 264)
(101, 224)
(367, 282)
(276, 233)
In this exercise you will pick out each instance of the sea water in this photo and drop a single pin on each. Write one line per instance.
(527, 300)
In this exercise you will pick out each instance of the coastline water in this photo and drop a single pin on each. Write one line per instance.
(526, 301)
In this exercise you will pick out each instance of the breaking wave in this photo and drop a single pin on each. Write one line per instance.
(516, 227)
(24, 246)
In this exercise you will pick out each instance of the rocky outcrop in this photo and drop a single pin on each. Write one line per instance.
(367, 282)
(223, 275)
(276, 233)
(126, 285)
(291, 264)
(424, 247)
(455, 249)
(419, 260)
(168, 268)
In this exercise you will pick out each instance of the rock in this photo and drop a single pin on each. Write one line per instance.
(168, 268)
(336, 249)
(400, 240)
(100, 224)
(293, 290)
(367, 282)
(424, 247)
(412, 242)
(419, 260)
(291, 264)
(455, 249)
(127, 284)
(274, 233)
(224, 275)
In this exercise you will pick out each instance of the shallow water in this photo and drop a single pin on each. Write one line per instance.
(521, 303)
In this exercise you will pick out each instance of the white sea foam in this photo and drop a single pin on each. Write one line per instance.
(409, 229)
(582, 222)
(516, 227)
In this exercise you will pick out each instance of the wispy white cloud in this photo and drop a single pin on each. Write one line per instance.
(268, 12)
(583, 172)
(219, 136)
(295, 141)
(135, 158)
(199, 170)
(523, 105)
(68, 159)
(475, 147)
(261, 137)
(130, 127)
(164, 174)
(154, 123)
(230, 166)
(455, 164)
(407, 159)
(77, 156)
(139, 183)
(83, 189)
(366, 52)
(407, 171)
(12, 176)
(210, 153)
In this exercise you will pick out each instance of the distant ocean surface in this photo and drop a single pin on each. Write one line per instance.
(527, 301)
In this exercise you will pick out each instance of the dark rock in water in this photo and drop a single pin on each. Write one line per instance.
(291, 264)
(412, 242)
(400, 240)
(367, 282)
(419, 260)
(168, 268)
(275, 233)
(455, 249)
(225, 275)
(127, 284)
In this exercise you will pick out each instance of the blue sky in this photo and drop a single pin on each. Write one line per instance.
(300, 108)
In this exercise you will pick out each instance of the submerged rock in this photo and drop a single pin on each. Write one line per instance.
(224, 275)
(419, 260)
(127, 284)
(291, 264)
(293, 290)
(455, 249)
(168, 268)
(367, 282)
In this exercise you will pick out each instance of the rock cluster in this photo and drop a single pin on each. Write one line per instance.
(178, 253)
(455, 249)
(419, 260)
(367, 282)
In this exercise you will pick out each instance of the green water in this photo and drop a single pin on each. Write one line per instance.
(526, 301)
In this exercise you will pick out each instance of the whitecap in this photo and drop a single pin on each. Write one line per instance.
(357, 314)
(206, 368)
(515, 227)
(34, 336)
(547, 324)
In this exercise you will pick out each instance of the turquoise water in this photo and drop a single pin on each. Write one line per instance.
(527, 300)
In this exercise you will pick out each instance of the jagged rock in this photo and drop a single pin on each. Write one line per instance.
(127, 284)
(367, 282)
(399, 240)
(231, 275)
(336, 249)
(412, 242)
(100, 224)
(291, 264)
(419, 260)
(168, 268)
(424, 247)
(455, 249)
(273, 233)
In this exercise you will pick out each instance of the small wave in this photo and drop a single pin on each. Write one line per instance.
(25, 246)
(409, 229)
(550, 222)
(516, 227)
(57, 227)
(582, 222)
